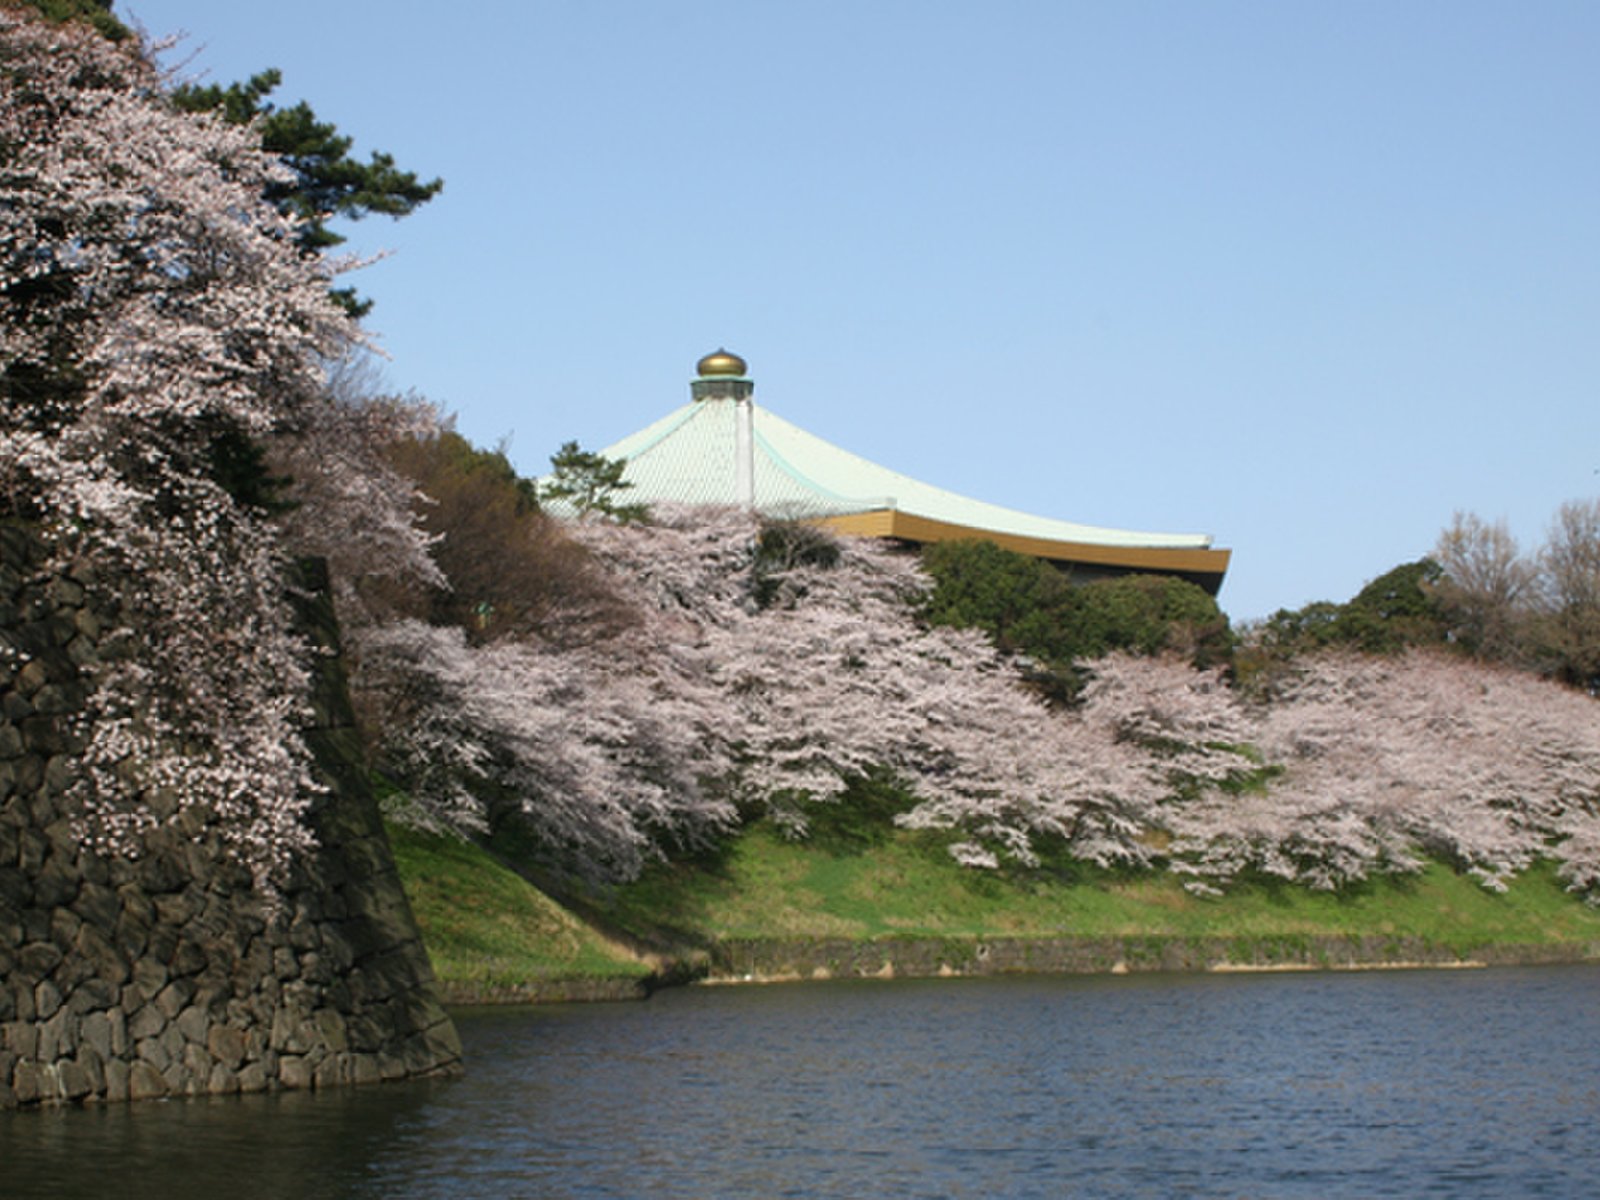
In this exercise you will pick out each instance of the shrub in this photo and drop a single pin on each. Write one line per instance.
(1149, 614)
(1399, 610)
(782, 547)
(1030, 607)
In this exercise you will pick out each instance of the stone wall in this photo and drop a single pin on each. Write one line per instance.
(166, 975)
(735, 960)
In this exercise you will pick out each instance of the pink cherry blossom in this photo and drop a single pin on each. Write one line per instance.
(150, 302)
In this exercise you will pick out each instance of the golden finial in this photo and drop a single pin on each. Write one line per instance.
(721, 363)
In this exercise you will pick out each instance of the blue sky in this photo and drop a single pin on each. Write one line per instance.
(1308, 278)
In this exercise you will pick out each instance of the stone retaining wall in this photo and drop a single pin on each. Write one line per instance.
(737, 960)
(164, 976)
(549, 991)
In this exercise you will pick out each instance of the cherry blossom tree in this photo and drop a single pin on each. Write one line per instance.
(604, 765)
(1385, 760)
(153, 309)
(350, 505)
(757, 683)
(766, 684)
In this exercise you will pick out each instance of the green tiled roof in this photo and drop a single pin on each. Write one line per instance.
(690, 456)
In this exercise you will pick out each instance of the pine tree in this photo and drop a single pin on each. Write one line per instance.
(590, 482)
(328, 181)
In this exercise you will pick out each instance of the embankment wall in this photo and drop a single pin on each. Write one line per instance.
(168, 975)
(738, 960)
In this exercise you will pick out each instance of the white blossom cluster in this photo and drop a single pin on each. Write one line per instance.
(1388, 758)
(712, 703)
(151, 303)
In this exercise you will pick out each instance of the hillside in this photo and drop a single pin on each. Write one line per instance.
(495, 938)
(776, 908)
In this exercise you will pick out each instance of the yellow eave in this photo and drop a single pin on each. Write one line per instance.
(908, 527)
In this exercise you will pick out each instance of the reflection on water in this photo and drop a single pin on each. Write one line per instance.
(287, 1145)
(1392, 1084)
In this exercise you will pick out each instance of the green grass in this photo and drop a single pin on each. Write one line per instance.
(487, 927)
(765, 887)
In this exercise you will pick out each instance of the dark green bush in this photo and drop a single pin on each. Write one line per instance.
(782, 546)
(1031, 607)
(1017, 600)
(1148, 614)
(1399, 609)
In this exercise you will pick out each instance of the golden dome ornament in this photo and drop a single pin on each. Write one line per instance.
(722, 377)
(721, 364)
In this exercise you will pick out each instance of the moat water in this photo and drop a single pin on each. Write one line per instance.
(1408, 1084)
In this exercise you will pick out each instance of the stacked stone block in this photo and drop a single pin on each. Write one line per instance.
(168, 975)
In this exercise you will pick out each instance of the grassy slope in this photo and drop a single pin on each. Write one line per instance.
(487, 927)
(766, 887)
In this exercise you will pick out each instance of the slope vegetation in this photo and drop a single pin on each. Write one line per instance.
(771, 907)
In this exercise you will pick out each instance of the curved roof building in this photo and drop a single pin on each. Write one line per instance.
(721, 448)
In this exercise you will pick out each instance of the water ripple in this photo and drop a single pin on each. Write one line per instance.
(1364, 1085)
